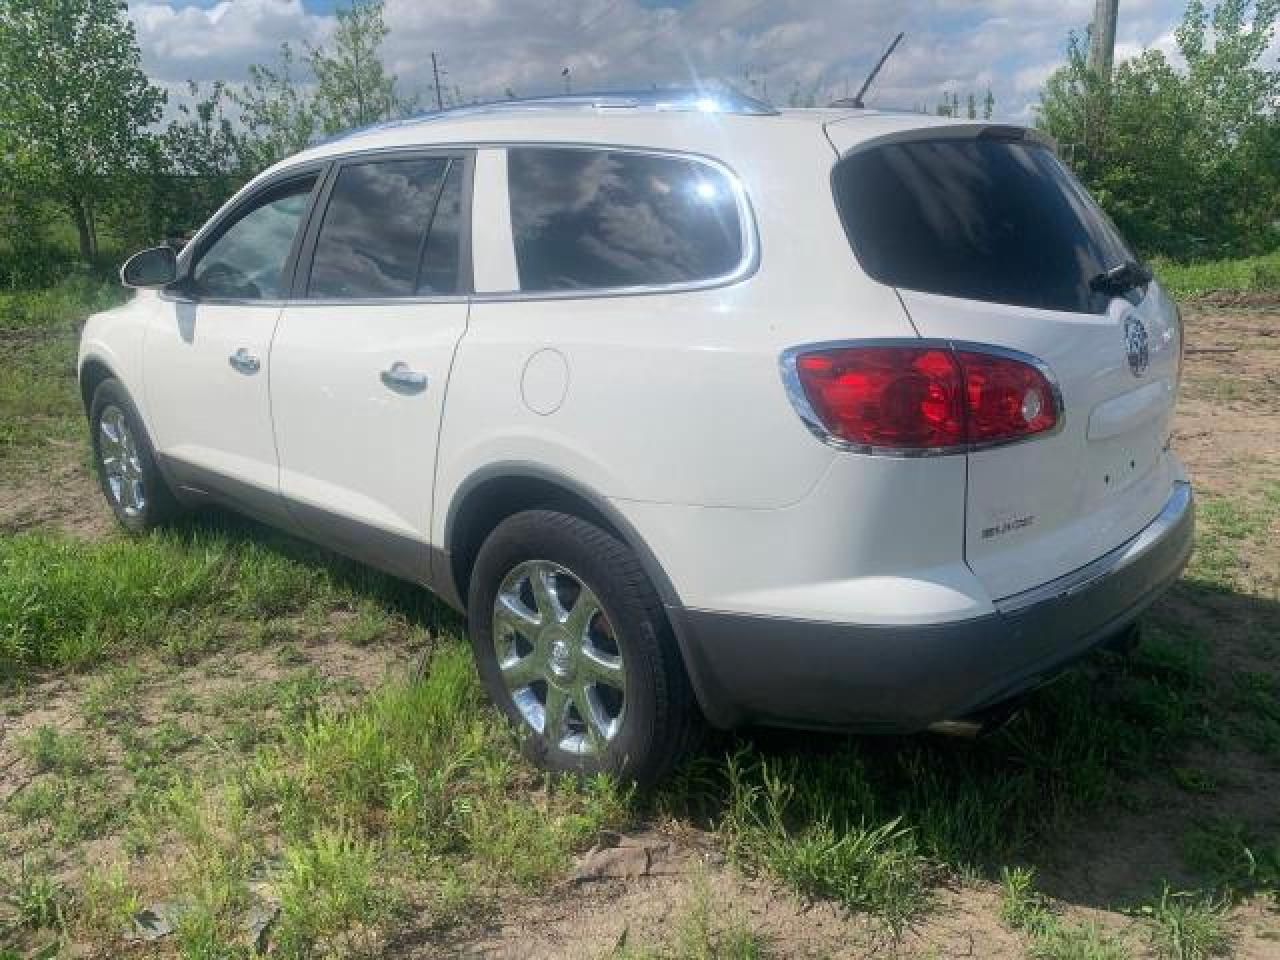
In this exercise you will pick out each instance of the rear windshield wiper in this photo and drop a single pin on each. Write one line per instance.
(1120, 280)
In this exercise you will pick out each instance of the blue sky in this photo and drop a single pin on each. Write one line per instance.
(775, 46)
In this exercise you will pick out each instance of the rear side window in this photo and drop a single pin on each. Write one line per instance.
(993, 220)
(603, 219)
(391, 229)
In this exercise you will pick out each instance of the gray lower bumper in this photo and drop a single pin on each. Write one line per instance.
(749, 669)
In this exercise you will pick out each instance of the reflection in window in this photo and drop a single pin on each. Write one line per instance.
(979, 219)
(247, 260)
(371, 243)
(438, 273)
(592, 219)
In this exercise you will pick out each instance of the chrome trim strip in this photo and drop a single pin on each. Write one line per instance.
(1169, 517)
(800, 400)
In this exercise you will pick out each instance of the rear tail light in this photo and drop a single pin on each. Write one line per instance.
(926, 398)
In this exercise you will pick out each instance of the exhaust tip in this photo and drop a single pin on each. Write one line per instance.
(964, 729)
(979, 724)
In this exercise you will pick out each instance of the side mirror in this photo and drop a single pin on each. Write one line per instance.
(156, 267)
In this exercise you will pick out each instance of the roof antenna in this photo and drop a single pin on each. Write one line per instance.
(856, 101)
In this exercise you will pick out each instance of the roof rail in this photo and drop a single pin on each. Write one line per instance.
(679, 99)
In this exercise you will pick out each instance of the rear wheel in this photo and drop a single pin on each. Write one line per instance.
(126, 465)
(572, 644)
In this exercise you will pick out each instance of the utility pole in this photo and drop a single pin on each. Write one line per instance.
(435, 71)
(1102, 39)
(1102, 53)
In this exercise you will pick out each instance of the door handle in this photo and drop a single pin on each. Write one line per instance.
(244, 361)
(400, 377)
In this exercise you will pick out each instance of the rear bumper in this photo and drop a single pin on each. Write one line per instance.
(753, 669)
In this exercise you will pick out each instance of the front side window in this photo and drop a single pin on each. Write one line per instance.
(605, 219)
(391, 229)
(246, 261)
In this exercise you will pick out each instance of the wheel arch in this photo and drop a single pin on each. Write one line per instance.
(93, 371)
(498, 491)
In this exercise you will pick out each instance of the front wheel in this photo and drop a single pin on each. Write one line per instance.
(125, 462)
(572, 644)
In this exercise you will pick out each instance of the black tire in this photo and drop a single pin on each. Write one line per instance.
(658, 718)
(157, 504)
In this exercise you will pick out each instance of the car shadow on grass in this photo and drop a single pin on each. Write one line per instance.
(1129, 771)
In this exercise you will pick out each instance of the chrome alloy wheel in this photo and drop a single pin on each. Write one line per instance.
(559, 657)
(120, 462)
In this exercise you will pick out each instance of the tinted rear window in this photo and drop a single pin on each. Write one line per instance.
(600, 219)
(980, 219)
(378, 237)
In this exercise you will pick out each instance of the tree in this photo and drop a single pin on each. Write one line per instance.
(1186, 161)
(278, 117)
(74, 102)
(206, 161)
(353, 88)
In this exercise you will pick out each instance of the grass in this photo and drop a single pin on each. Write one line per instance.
(69, 603)
(870, 823)
(1186, 281)
(1234, 858)
(701, 930)
(342, 811)
(39, 397)
(1023, 909)
(1187, 926)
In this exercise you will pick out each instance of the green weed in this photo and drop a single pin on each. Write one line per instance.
(1187, 926)
(1025, 909)
(332, 897)
(702, 931)
(778, 821)
(52, 751)
(1232, 857)
(39, 900)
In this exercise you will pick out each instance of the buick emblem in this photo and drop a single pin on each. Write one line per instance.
(1135, 345)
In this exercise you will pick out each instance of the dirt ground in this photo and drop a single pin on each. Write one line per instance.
(1228, 434)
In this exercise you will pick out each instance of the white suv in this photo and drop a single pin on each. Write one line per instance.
(825, 418)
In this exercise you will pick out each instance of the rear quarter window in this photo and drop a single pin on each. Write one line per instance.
(983, 219)
(587, 219)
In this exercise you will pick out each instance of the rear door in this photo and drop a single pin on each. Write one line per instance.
(362, 354)
(989, 239)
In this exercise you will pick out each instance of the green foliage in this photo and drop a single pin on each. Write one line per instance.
(1187, 281)
(701, 932)
(1024, 909)
(38, 898)
(1232, 857)
(353, 88)
(50, 750)
(74, 102)
(776, 820)
(1187, 926)
(1186, 161)
(330, 894)
(277, 115)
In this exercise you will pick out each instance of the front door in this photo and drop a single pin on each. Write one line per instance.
(206, 353)
(361, 356)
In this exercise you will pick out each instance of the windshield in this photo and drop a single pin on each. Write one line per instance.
(994, 220)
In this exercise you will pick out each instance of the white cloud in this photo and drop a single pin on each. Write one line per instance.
(488, 46)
